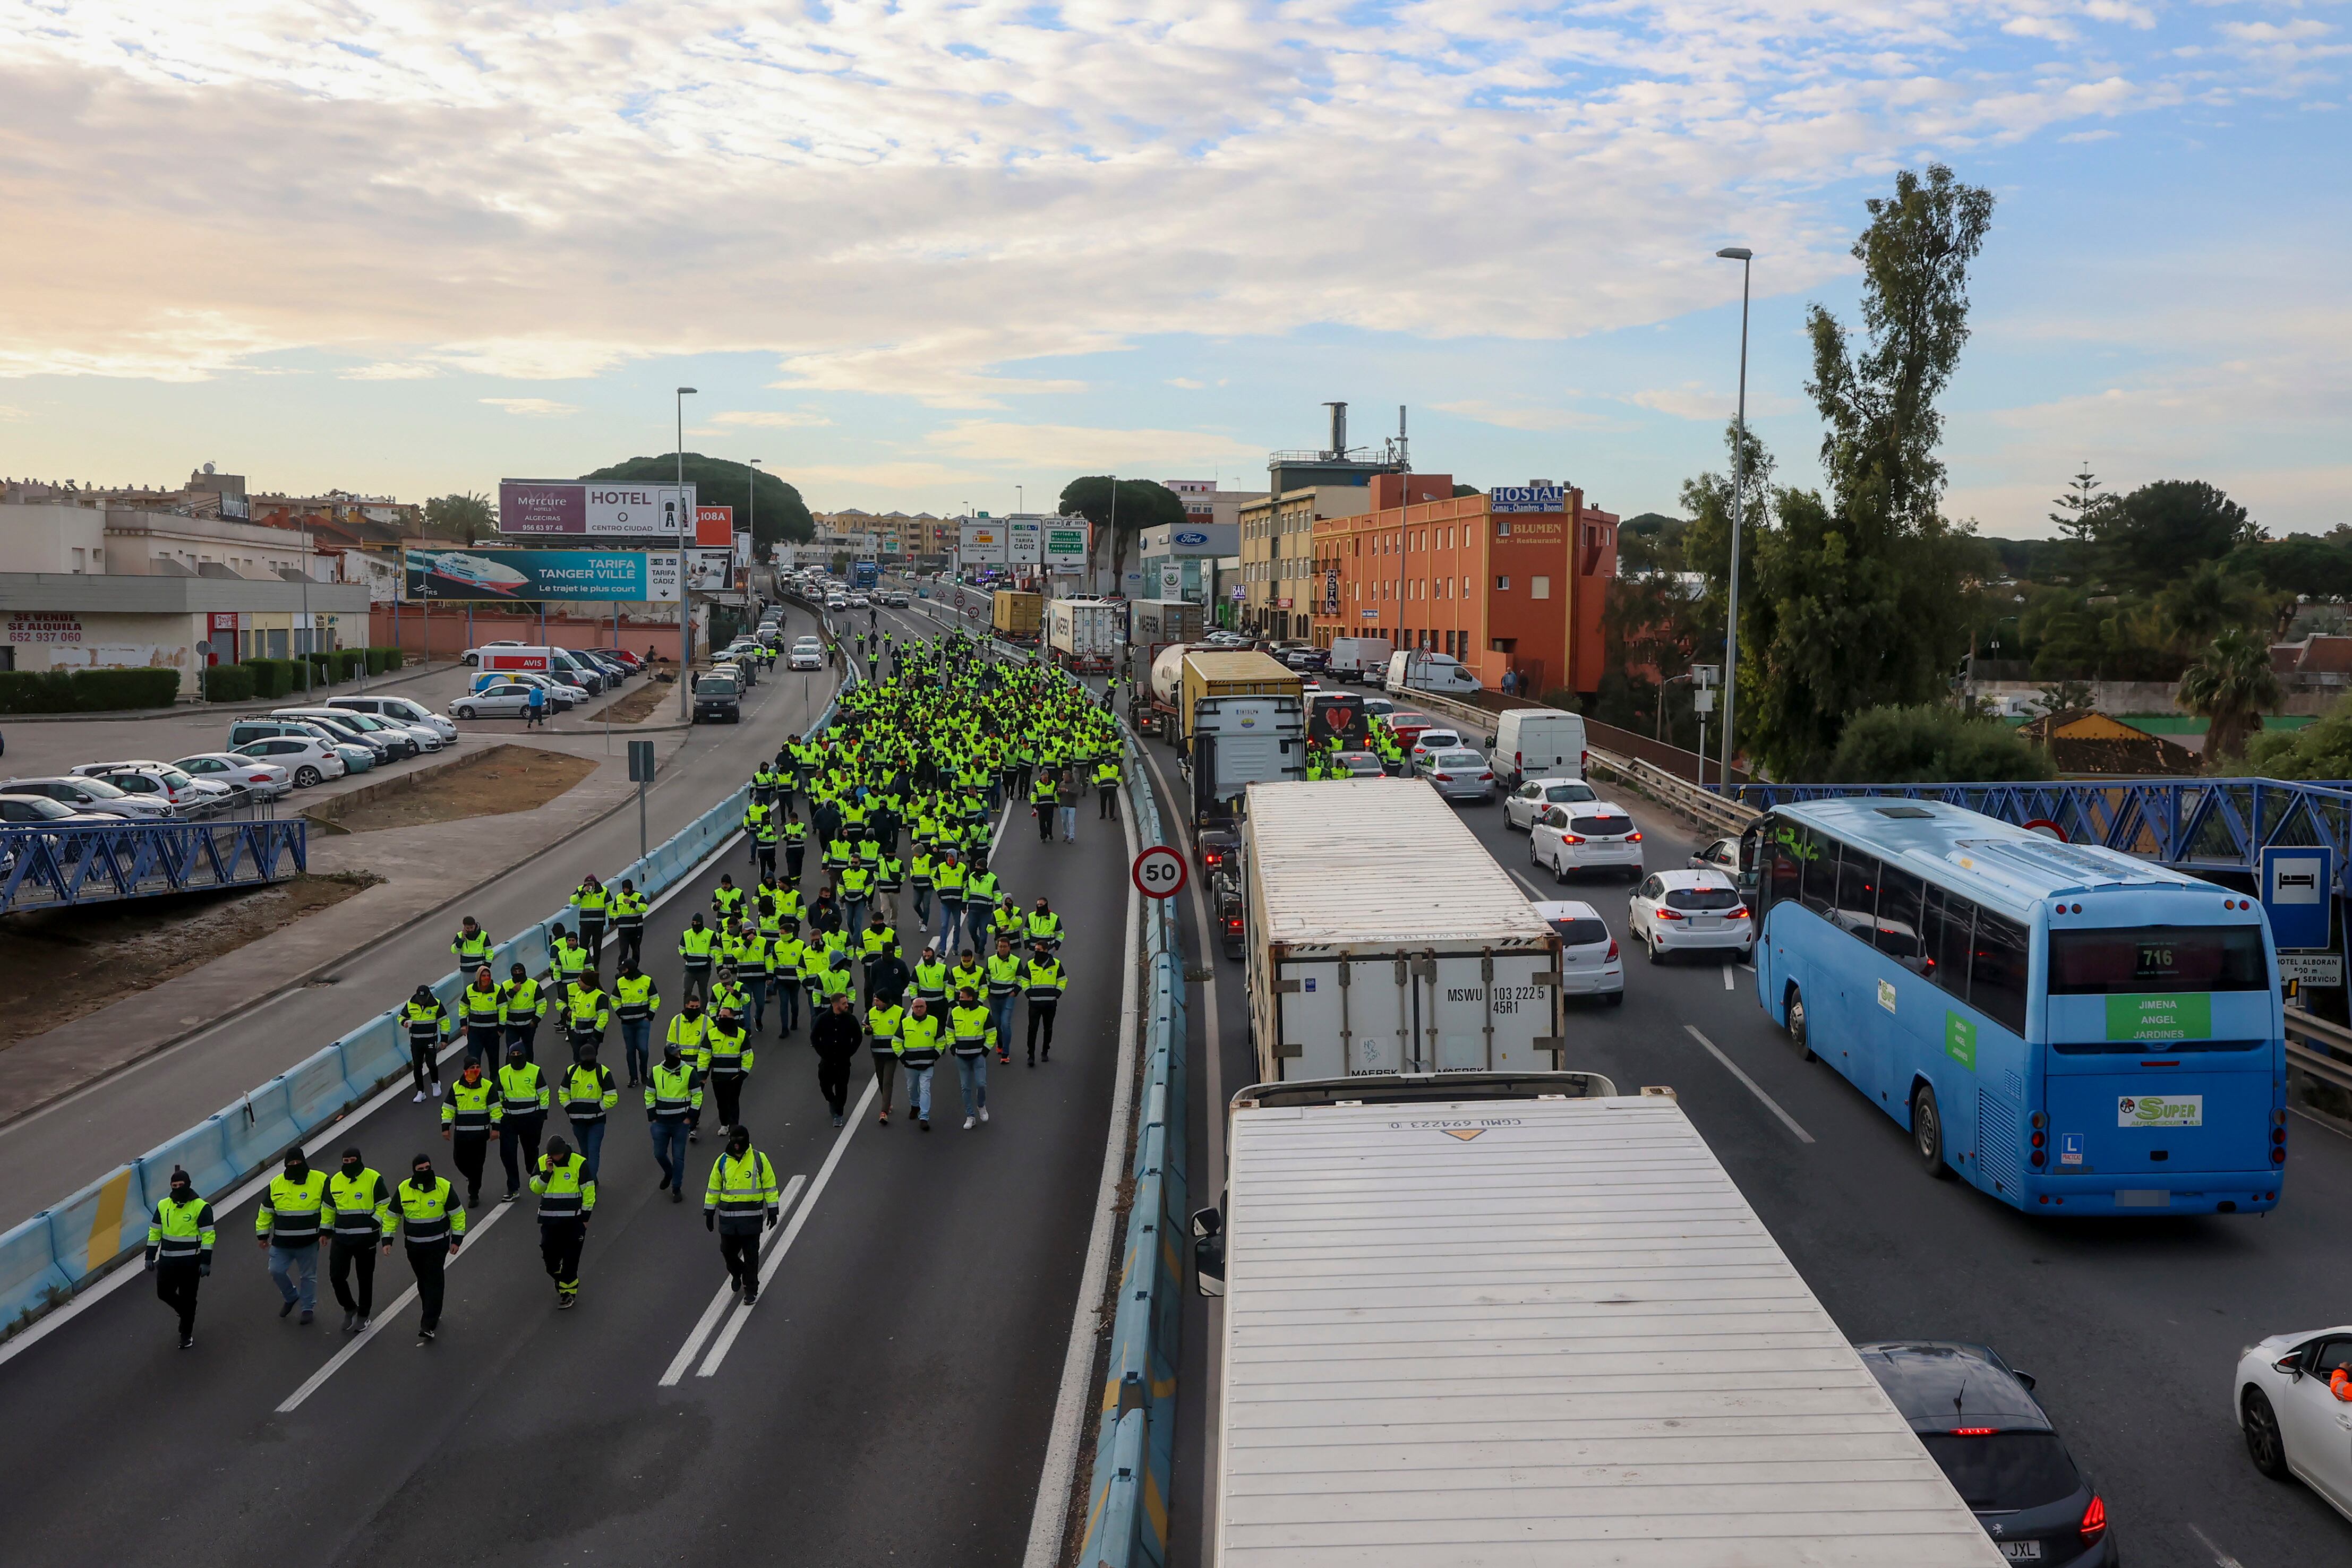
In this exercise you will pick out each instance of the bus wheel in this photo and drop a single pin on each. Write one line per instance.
(1797, 1023)
(1927, 1132)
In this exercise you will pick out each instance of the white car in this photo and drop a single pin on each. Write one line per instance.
(1589, 964)
(262, 780)
(310, 759)
(1675, 911)
(161, 780)
(2292, 1423)
(474, 655)
(1589, 835)
(1524, 804)
(807, 656)
(837, 601)
(1717, 854)
(1430, 741)
(399, 710)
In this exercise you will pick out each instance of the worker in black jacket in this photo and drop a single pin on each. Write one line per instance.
(836, 1034)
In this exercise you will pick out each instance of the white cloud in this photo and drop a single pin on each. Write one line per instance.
(10, 412)
(538, 407)
(1066, 447)
(770, 418)
(390, 370)
(1522, 417)
(1692, 399)
(1188, 383)
(2139, 16)
(2054, 29)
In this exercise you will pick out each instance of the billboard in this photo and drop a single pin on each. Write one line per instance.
(742, 549)
(982, 544)
(575, 507)
(1064, 545)
(711, 570)
(714, 527)
(528, 575)
(1537, 497)
(1022, 541)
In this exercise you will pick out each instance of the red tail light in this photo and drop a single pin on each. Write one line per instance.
(1569, 839)
(1740, 913)
(1486, 777)
(1233, 924)
(2095, 1520)
(1444, 777)
(1612, 950)
(1987, 1432)
(1634, 837)
(1664, 913)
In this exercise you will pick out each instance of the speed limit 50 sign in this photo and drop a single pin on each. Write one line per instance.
(1160, 873)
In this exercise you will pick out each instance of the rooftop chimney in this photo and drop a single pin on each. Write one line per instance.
(1339, 429)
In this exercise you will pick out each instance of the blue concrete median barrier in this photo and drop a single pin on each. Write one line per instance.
(260, 1127)
(316, 1093)
(373, 1052)
(1115, 1523)
(30, 1280)
(91, 1228)
(203, 1152)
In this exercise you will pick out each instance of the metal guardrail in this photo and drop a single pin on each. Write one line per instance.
(47, 1259)
(1705, 806)
(2332, 1062)
(55, 868)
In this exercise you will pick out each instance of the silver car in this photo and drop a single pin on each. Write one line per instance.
(1461, 775)
(1522, 805)
(507, 699)
(93, 796)
(262, 780)
(310, 759)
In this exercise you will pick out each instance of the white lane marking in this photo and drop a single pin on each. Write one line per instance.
(1530, 886)
(1753, 1087)
(1750, 968)
(333, 1132)
(2318, 1123)
(718, 1300)
(1726, 976)
(400, 1304)
(2220, 1558)
(1070, 1405)
(775, 1256)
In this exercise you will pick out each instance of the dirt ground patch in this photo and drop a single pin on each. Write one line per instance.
(489, 784)
(57, 965)
(636, 706)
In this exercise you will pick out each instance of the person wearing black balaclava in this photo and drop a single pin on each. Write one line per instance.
(361, 1201)
(180, 1251)
(740, 1202)
(567, 1199)
(431, 1222)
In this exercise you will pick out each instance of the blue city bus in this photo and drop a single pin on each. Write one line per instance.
(2068, 1028)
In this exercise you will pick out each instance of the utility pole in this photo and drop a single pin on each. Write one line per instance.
(1745, 258)
(685, 594)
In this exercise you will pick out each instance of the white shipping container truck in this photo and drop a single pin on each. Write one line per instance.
(1481, 1323)
(1354, 968)
(1085, 633)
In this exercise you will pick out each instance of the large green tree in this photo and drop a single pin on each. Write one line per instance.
(464, 517)
(1142, 504)
(1933, 743)
(2233, 684)
(1858, 597)
(781, 517)
(2151, 535)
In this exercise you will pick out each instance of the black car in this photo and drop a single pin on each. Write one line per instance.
(717, 698)
(1981, 1423)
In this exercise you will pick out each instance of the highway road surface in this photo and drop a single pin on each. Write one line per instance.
(887, 1401)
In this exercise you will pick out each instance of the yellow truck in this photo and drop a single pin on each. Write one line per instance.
(1018, 616)
(1241, 720)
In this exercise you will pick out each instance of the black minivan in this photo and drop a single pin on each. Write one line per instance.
(717, 698)
(1981, 1423)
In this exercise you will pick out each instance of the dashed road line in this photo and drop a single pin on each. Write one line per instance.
(1753, 1087)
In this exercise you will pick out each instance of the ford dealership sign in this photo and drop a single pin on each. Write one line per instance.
(1191, 539)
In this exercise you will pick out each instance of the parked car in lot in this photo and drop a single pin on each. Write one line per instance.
(1524, 804)
(715, 696)
(29, 810)
(160, 780)
(1588, 962)
(560, 696)
(1717, 854)
(399, 710)
(308, 760)
(260, 779)
(2292, 1423)
(1673, 911)
(1459, 775)
(499, 699)
(355, 757)
(345, 727)
(401, 739)
(474, 655)
(1592, 835)
(1979, 1420)
(91, 796)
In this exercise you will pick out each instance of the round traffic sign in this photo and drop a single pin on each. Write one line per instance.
(2046, 828)
(1160, 873)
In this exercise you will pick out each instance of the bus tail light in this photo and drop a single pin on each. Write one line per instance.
(2095, 1520)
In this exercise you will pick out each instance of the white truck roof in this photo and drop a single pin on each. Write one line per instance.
(1349, 863)
(1527, 1333)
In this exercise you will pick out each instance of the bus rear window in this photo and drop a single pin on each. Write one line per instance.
(2131, 958)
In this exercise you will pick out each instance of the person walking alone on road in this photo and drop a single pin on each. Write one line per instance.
(673, 1092)
(287, 1227)
(180, 1251)
(469, 1120)
(431, 1225)
(428, 1025)
(523, 1112)
(837, 1036)
(535, 712)
(740, 1202)
(362, 1205)
(1068, 792)
(588, 1095)
(567, 1198)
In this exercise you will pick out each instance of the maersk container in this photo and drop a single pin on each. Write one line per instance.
(1383, 939)
(1085, 633)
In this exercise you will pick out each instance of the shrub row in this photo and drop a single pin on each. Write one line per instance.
(86, 691)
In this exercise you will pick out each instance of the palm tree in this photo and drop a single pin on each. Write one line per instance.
(2205, 603)
(2231, 683)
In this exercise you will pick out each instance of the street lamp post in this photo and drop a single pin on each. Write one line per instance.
(685, 595)
(751, 527)
(1745, 258)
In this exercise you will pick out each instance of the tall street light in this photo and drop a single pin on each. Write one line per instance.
(751, 527)
(685, 595)
(1745, 258)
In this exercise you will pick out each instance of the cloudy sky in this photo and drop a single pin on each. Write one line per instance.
(921, 253)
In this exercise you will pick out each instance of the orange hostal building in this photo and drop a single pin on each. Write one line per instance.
(1498, 590)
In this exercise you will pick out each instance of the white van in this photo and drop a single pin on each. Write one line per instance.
(558, 663)
(1537, 743)
(1440, 673)
(1360, 658)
